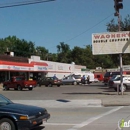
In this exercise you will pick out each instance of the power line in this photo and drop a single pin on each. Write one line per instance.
(7, 5)
(89, 28)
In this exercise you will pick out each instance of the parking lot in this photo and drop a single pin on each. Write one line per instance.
(75, 107)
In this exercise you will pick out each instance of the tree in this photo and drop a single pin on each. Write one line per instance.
(42, 52)
(63, 52)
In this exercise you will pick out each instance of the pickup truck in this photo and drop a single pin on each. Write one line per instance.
(19, 83)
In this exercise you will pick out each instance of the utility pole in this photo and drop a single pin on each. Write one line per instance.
(118, 5)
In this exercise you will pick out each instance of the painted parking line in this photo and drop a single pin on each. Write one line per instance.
(87, 122)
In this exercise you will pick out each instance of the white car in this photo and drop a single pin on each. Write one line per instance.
(117, 83)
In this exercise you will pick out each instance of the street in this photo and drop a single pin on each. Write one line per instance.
(74, 107)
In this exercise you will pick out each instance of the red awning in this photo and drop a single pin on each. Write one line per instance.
(16, 63)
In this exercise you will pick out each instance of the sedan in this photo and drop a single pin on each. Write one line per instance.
(49, 81)
(72, 79)
(15, 116)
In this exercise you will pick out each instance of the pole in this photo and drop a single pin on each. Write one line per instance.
(120, 56)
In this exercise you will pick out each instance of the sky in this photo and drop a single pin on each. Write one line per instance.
(49, 23)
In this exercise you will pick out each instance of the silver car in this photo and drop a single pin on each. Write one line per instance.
(72, 79)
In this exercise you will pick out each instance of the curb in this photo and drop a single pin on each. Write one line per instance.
(61, 103)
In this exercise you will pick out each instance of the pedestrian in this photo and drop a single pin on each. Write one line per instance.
(54, 77)
(88, 79)
(83, 79)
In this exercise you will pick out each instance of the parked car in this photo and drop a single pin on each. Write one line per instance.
(19, 83)
(15, 116)
(117, 83)
(72, 79)
(108, 75)
(110, 82)
(49, 81)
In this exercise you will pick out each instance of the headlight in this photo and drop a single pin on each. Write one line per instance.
(23, 117)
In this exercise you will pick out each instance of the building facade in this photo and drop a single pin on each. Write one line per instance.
(34, 67)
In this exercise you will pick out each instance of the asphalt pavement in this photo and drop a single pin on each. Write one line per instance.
(102, 98)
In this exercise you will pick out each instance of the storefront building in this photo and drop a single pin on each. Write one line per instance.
(33, 67)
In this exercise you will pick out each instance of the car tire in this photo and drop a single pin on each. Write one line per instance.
(5, 87)
(7, 123)
(30, 88)
(58, 85)
(19, 88)
(75, 83)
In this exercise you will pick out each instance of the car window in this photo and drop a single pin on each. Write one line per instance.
(4, 100)
(110, 74)
(77, 76)
(118, 78)
(98, 76)
(19, 78)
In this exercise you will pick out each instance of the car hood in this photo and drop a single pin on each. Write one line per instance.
(22, 109)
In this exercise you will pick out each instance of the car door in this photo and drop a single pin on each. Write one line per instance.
(43, 81)
(71, 79)
(10, 83)
(66, 80)
(128, 81)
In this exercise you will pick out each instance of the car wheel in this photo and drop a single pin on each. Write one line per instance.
(5, 87)
(19, 87)
(30, 88)
(75, 83)
(58, 85)
(7, 124)
(124, 88)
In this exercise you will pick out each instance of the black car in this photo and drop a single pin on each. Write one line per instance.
(49, 81)
(15, 116)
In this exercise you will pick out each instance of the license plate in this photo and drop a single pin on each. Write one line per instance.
(30, 85)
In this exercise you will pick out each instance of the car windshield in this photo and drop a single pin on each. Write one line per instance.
(114, 77)
(4, 100)
(118, 78)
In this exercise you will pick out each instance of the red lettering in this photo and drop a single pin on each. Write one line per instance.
(96, 36)
(102, 37)
(118, 35)
(123, 35)
(107, 36)
(113, 36)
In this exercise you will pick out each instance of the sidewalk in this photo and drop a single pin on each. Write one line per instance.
(116, 100)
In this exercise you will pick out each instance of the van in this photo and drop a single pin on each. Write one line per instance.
(90, 74)
(99, 76)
